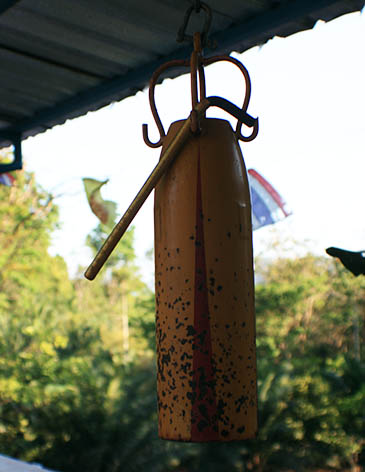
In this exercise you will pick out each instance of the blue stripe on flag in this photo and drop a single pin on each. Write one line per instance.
(260, 210)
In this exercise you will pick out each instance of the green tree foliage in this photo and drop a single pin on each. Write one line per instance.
(126, 304)
(77, 367)
(34, 289)
(309, 313)
(66, 389)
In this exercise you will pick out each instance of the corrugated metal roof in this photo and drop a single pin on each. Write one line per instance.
(62, 59)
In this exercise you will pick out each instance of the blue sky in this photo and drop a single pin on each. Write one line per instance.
(308, 92)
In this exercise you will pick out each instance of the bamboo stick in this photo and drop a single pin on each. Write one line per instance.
(165, 161)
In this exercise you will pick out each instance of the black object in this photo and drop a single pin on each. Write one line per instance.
(353, 261)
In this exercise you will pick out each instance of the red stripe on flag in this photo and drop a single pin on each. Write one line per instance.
(270, 189)
(6, 179)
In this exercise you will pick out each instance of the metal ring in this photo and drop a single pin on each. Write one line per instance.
(196, 69)
(182, 36)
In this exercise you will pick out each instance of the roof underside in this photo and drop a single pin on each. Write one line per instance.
(62, 59)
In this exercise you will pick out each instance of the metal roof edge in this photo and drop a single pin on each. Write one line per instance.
(277, 17)
(95, 97)
(241, 37)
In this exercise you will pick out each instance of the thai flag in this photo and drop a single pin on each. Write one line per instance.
(6, 179)
(268, 207)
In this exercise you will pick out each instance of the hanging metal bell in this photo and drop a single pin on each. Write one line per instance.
(205, 326)
(205, 322)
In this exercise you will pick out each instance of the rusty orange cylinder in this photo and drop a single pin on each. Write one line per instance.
(205, 327)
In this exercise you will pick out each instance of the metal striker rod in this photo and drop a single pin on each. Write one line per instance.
(121, 227)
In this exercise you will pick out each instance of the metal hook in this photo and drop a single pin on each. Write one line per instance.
(254, 122)
(197, 63)
(153, 81)
(196, 69)
(252, 136)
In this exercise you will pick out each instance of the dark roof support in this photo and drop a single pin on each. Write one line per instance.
(16, 140)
